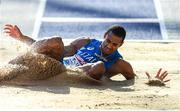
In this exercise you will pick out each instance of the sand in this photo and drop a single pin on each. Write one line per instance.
(76, 91)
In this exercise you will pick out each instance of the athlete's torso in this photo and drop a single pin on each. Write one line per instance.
(91, 53)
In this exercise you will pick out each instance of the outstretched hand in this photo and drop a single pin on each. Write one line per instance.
(159, 79)
(13, 31)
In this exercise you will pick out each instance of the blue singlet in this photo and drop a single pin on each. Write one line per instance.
(91, 53)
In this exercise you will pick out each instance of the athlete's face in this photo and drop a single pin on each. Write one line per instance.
(111, 43)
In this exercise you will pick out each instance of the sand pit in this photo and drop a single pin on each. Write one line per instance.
(155, 83)
(31, 66)
(74, 90)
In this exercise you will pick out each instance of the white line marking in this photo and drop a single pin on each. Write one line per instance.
(99, 20)
(161, 19)
(38, 18)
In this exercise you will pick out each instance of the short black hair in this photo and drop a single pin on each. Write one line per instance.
(117, 30)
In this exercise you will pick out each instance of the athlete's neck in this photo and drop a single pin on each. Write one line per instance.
(102, 53)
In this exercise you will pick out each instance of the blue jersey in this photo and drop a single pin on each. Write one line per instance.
(91, 53)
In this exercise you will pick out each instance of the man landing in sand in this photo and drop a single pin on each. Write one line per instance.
(96, 58)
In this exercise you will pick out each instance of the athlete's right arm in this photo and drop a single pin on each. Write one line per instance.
(75, 45)
(14, 32)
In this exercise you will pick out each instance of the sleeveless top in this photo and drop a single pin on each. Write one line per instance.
(91, 53)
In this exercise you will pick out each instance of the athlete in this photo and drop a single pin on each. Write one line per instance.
(96, 58)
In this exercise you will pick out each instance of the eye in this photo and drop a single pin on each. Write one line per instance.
(108, 41)
(114, 44)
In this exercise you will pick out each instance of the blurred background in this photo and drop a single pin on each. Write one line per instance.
(143, 19)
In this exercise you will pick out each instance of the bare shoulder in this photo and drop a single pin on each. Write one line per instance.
(80, 42)
(75, 45)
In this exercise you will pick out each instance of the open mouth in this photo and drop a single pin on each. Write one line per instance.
(107, 50)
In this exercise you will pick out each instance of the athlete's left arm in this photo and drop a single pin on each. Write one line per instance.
(94, 70)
